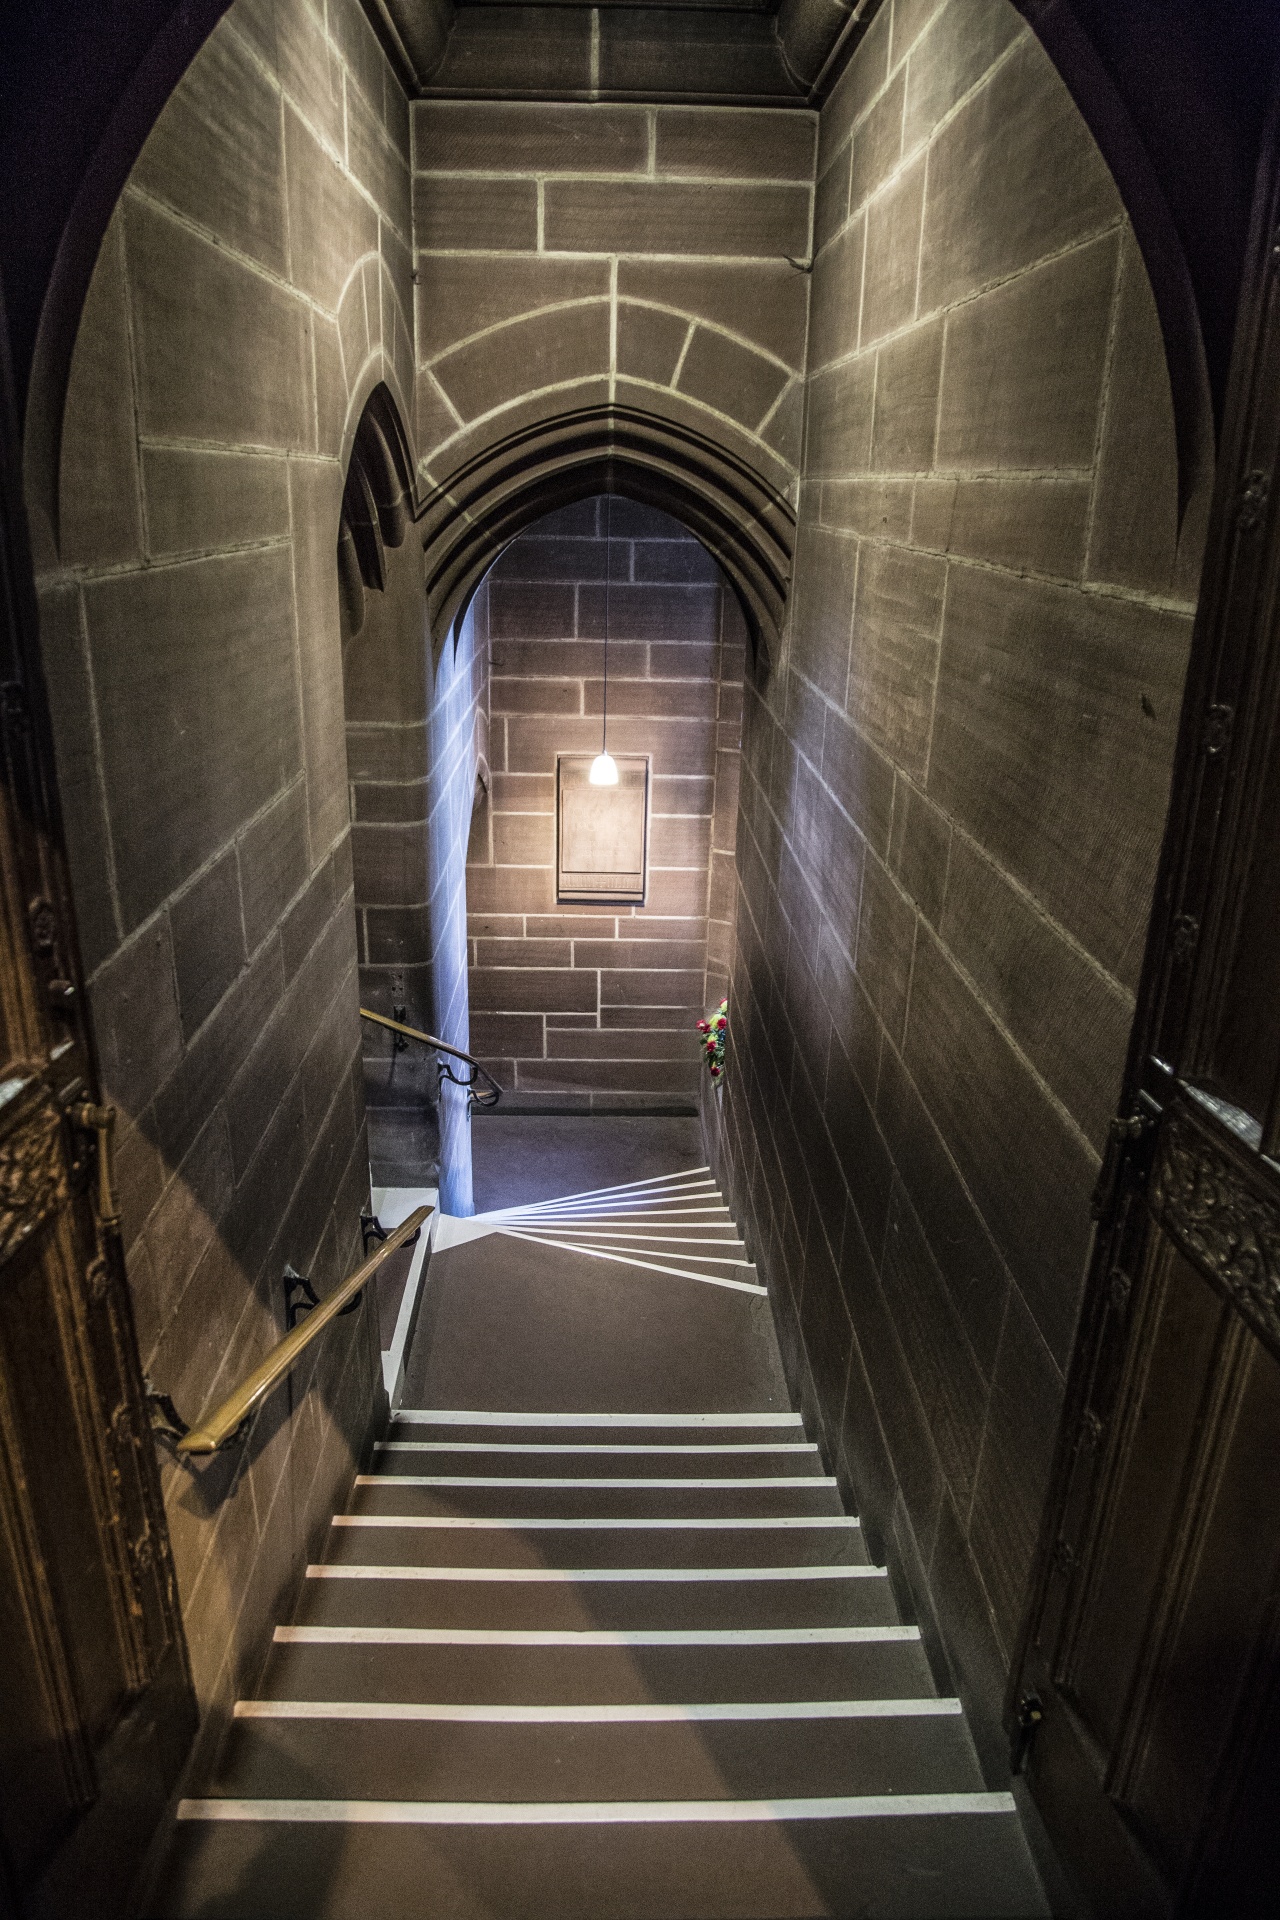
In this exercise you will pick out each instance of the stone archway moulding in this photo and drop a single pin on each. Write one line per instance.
(113, 77)
(744, 522)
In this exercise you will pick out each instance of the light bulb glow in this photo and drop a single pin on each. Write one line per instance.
(604, 771)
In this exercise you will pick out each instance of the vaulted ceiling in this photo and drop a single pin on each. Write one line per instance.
(1175, 92)
(733, 50)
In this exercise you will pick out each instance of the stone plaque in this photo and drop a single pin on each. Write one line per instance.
(602, 832)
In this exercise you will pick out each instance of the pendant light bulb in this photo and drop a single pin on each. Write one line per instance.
(604, 768)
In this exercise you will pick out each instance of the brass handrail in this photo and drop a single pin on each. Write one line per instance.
(225, 1422)
(489, 1099)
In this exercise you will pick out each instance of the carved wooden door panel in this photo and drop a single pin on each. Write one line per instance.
(95, 1698)
(1146, 1701)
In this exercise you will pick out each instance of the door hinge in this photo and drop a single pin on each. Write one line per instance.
(1218, 723)
(1029, 1718)
(1125, 1136)
(1184, 936)
(1252, 502)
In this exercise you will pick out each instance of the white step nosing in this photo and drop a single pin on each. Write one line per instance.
(704, 1198)
(690, 1186)
(626, 1186)
(591, 1636)
(694, 1200)
(814, 1481)
(670, 1201)
(544, 1523)
(646, 1713)
(566, 1813)
(483, 1417)
(628, 1260)
(609, 1238)
(704, 1216)
(570, 1576)
(708, 1209)
(511, 1446)
(584, 1243)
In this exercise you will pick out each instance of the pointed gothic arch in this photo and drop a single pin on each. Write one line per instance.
(743, 521)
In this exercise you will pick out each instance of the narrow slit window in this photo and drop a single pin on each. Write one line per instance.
(602, 833)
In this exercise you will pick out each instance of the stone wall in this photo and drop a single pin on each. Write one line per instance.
(568, 255)
(953, 779)
(253, 286)
(953, 795)
(588, 1005)
(386, 675)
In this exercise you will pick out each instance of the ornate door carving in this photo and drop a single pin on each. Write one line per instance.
(96, 1709)
(1149, 1668)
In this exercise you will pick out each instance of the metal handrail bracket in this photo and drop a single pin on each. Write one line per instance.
(227, 1421)
(489, 1099)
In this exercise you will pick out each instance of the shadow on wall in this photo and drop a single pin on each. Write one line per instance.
(414, 727)
(251, 291)
(387, 687)
(952, 798)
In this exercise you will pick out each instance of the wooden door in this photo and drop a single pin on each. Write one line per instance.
(1151, 1655)
(96, 1708)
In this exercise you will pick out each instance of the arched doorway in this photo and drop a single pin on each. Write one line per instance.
(581, 1003)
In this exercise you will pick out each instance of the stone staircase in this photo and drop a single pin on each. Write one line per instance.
(609, 1647)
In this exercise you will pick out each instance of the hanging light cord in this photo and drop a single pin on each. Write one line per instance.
(608, 571)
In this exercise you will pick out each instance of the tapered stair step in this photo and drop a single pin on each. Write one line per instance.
(593, 1333)
(425, 1541)
(497, 1496)
(961, 1858)
(712, 1599)
(608, 1461)
(912, 1751)
(890, 1666)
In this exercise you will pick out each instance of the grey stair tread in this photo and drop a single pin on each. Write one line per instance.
(889, 1669)
(375, 1759)
(396, 1493)
(557, 1462)
(512, 1432)
(939, 1867)
(474, 1801)
(593, 1334)
(863, 1598)
(399, 1543)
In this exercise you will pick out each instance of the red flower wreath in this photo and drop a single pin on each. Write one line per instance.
(713, 1033)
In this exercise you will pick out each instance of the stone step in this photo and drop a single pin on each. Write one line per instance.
(432, 1541)
(959, 1859)
(890, 1666)
(605, 1460)
(383, 1596)
(913, 1746)
(601, 1497)
(581, 1430)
